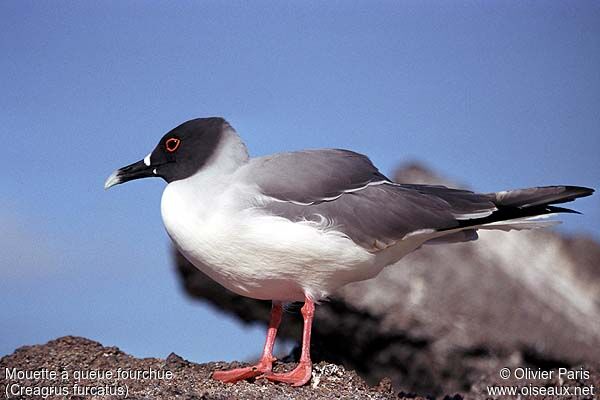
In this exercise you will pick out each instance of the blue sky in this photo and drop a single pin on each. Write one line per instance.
(496, 94)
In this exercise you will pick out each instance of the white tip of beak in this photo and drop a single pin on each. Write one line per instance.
(112, 180)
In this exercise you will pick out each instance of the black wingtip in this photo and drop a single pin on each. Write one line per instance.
(555, 209)
(570, 193)
(579, 191)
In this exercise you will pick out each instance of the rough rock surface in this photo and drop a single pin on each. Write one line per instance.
(188, 381)
(446, 315)
(73, 355)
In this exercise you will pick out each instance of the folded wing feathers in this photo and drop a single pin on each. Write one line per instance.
(537, 196)
(348, 189)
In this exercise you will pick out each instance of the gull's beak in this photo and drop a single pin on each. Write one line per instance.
(136, 170)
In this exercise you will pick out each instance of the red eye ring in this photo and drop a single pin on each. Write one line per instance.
(172, 144)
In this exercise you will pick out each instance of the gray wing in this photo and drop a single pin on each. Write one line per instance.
(352, 195)
(311, 176)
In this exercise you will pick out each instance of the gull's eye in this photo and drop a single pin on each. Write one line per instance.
(172, 144)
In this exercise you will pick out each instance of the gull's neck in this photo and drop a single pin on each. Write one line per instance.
(230, 154)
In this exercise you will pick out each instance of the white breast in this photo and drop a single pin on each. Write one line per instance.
(257, 255)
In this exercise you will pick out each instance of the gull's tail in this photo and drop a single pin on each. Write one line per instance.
(523, 208)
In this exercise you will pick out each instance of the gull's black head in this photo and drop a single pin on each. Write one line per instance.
(178, 155)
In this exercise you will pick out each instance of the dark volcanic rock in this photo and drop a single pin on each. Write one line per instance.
(188, 381)
(176, 378)
(447, 315)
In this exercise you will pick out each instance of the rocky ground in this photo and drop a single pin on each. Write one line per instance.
(189, 381)
(175, 378)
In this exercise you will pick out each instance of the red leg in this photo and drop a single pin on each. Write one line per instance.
(302, 373)
(265, 364)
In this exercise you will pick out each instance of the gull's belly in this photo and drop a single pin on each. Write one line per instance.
(266, 257)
